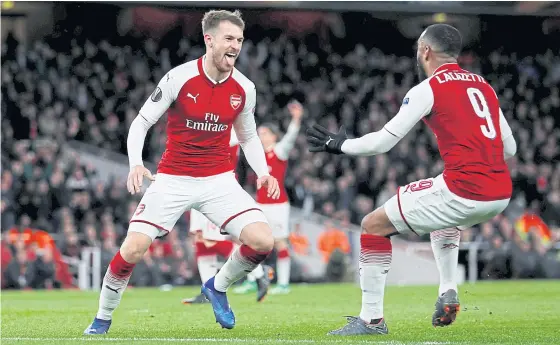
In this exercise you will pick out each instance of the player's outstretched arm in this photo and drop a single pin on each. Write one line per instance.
(320, 139)
(151, 112)
(246, 130)
(417, 103)
(284, 146)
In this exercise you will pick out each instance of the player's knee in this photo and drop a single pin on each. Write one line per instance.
(135, 246)
(266, 244)
(258, 236)
(377, 223)
(262, 243)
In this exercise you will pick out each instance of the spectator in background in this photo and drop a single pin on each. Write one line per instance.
(19, 274)
(182, 273)
(496, 259)
(549, 263)
(331, 240)
(43, 269)
(300, 251)
(8, 216)
(299, 242)
(524, 260)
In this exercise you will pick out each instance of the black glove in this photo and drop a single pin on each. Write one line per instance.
(320, 139)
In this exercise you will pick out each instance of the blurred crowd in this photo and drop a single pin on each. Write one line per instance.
(66, 88)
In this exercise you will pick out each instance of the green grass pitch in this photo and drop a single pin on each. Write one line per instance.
(522, 312)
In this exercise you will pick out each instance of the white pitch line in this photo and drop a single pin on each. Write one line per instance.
(227, 340)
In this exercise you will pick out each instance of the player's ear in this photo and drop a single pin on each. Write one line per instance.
(426, 52)
(208, 40)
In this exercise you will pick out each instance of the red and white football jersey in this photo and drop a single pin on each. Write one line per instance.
(463, 111)
(201, 119)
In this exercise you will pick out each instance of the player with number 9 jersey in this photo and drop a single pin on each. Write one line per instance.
(474, 148)
(474, 139)
(463, 112)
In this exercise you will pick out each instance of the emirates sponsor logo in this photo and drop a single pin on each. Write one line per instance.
(210, 124)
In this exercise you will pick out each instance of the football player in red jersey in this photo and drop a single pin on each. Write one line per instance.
(474, 140)
(210, 97)
(277, 211)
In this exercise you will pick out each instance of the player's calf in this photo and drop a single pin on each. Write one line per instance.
(118, 274)
(135, 244)
(375, 263)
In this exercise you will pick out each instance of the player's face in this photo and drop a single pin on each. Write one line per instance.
(421, 60)
(267, 137)
(226, 45)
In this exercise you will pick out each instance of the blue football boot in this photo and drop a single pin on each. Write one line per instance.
(98, 326)
(222, 310)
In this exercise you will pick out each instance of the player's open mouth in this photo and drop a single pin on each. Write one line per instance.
(230, 57)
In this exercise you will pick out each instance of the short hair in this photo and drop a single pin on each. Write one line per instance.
(213, 18)
(445, 39)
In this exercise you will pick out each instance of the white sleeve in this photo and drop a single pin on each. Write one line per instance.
(154, 107)
(504, 126)
(417, 103)
(160, 100)
(135, 141)
(510, 146)
(246, 130)
(284, 146)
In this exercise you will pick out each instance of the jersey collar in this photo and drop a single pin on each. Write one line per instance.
(446, 66)
(202, 71)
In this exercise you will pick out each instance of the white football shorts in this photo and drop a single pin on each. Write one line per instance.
(219, 198)
(278, 216)
(428, 205)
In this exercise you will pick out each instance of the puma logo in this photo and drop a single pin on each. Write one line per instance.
(193, 97)
(110, 288)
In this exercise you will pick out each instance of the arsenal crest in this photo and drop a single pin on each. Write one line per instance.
(235, 101)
